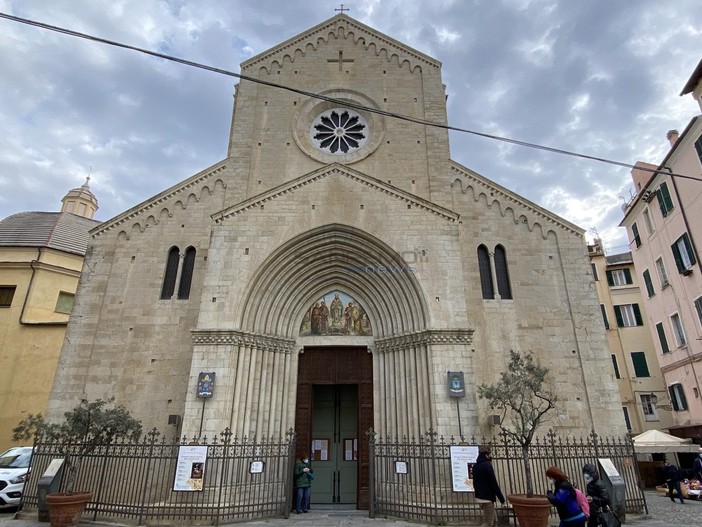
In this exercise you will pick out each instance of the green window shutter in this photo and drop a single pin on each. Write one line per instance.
(637, 314)
(683, 399)
(627, 276)
(677, 257)
(661, 338)
(667, 200)
(635, 232)
(661, 203)
(616, 367)
(698, 147)
(688, 248)
(698, 308)
(594, 272)
(673, 399)
(638, 358)
(604, 316)
(610, 280)
(649, 283)
(618, 315)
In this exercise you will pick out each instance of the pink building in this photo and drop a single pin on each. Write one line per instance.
(664, 225)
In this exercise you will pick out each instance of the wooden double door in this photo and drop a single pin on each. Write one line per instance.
(334, 412)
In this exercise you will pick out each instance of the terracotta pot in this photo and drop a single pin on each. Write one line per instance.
(65, 509)
(530, 512)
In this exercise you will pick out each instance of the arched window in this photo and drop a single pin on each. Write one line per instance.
(186, 275)
(485, 272)
(169, 278)
(502, 275)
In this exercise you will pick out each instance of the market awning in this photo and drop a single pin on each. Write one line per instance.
(655, 441)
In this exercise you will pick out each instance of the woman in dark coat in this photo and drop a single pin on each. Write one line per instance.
(486, 487)
(563, 498)
(597, 494)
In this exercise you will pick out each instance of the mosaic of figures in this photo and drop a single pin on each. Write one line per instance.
(336, 313)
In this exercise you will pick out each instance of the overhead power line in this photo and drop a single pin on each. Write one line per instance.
(332, 99)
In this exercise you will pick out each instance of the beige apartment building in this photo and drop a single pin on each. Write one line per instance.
(41, 257)
(641, 385)
(664, 225)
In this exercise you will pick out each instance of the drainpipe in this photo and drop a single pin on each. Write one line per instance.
(22, 321)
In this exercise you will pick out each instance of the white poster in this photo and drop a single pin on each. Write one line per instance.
(462, 460)
(190, 471)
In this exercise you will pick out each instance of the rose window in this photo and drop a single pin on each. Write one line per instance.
(339, 131)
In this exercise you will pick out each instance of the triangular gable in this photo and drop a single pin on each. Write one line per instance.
(341, 25)
(509, 200)
(330, 171)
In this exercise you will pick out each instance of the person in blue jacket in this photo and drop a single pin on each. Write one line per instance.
(563, 498)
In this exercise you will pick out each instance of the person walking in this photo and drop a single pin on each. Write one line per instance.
(487, 490)
(563, 498)
(597, 494)
(303, 483)
(697, 467)
(673, 478)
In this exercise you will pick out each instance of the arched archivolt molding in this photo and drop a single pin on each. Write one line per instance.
(327, 258)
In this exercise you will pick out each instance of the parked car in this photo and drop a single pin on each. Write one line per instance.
(14, 471)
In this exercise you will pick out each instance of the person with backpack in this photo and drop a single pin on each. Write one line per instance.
(597, 494)
(563, 497)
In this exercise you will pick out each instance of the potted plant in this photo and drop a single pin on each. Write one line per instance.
(86, 427)
(523, 396)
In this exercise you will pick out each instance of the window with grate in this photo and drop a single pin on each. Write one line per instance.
(7, 293)
(502, 273)
(485, 273)
(186, 274)
(169, 277)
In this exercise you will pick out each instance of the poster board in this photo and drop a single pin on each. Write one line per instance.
(190, 469)
(462, 460)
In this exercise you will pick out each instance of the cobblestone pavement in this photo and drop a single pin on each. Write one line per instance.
(662, 513)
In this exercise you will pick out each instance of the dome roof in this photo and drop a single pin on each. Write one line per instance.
(62, 231)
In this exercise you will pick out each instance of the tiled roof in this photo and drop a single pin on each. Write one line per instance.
(62, 231)
(619, 259)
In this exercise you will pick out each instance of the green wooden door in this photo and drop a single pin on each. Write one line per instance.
(334, 449)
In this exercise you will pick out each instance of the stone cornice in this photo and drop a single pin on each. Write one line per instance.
(336, 25)
(424, 338)
(242, 338)
(288, 187)
(508, 199)
(159, 199)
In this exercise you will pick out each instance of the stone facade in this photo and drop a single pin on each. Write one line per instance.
(281, 222)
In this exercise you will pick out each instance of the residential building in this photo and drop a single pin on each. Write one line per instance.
(641, 385)
(664, 225)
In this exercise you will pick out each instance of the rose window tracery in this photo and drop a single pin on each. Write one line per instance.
(339, 131)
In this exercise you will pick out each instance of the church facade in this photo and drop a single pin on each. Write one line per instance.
(332, 270)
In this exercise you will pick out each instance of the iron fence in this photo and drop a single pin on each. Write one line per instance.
(412, 479)
(134, 481)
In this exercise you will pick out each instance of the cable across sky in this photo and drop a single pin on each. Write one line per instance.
(345, 103)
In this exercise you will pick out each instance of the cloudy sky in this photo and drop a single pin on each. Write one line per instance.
(600, 77)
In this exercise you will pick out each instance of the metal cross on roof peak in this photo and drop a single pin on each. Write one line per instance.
(342, 9)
